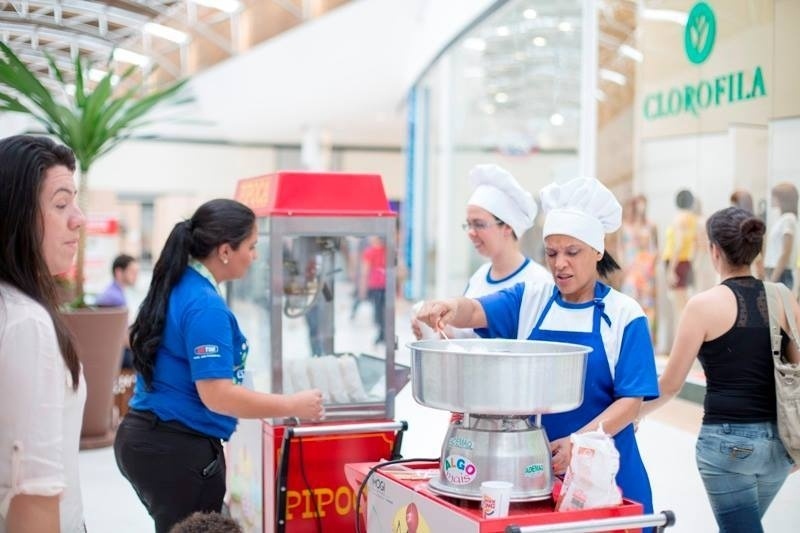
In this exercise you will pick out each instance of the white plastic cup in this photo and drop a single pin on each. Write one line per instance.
(495, 497)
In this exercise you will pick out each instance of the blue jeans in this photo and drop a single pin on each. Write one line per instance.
(743, 466)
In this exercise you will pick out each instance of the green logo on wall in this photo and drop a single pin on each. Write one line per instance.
(701, 30)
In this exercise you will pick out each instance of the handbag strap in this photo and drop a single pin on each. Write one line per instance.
(774, 292)
(788, 308)
(772, 310)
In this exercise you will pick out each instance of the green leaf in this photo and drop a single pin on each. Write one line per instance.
(93, 121)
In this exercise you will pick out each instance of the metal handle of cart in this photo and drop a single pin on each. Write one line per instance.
(660, 520)
(314, 431)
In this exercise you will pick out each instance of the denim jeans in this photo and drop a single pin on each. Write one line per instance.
(742, 466)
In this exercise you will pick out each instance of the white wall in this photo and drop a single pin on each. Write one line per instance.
(784, 160)
(391, 165)
(162, 167)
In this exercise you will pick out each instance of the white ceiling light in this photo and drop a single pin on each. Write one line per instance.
(613, 76)
(501, 98)
(631, 52)
(165, 32)
(556, 119)
(529, 14)
(539, 41)
(502, 31)
(127, 56)
(475, 43)
(565, 26)
(665, 15)
(488, 109)
(228, 6)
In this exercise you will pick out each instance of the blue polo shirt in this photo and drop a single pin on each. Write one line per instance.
(201, 340)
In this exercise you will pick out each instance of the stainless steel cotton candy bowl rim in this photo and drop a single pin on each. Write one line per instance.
(498, 376)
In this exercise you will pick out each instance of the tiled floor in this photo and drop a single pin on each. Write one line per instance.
(666, 439)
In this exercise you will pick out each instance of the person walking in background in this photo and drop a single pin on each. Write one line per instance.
(638, 250)
(372, 285)
(739, 455)
(190, 356)
(499, 212)
(42, 389)
(679, 246)
(576, 307)
(780, 249)
(124, 272)
(742, 199)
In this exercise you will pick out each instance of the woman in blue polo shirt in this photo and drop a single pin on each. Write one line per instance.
(576, 307)
(190, 356)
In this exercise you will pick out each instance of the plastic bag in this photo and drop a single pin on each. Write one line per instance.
(590, 479)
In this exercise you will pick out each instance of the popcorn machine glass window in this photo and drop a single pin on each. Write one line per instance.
(318, 305)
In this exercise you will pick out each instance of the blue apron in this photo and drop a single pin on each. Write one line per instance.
(598, 394)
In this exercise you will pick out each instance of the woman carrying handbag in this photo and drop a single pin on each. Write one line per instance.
(740, 456)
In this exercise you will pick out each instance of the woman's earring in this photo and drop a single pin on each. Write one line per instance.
(224, 260)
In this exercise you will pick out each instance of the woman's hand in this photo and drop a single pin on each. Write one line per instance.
(307, 405)
(561, 451)
(437, 313)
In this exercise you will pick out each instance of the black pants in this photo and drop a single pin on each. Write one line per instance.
(378, 299)
(174, 469)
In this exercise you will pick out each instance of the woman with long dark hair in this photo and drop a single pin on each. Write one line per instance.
(42, 392)
(190, 356)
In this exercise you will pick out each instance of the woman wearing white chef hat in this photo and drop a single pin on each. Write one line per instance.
(499, 212)
(576, 307)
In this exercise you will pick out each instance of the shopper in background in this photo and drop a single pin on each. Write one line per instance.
(42, 390)
(124, 272)
(190, 355)
(742, 199)
(680, 244)
(638, 250)
(578, 309)
(779, 252)
(739, 454)
(499, 212)
(372, 284)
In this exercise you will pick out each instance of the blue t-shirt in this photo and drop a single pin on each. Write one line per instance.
(201, 340)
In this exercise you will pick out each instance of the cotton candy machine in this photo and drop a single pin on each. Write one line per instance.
(502, 387)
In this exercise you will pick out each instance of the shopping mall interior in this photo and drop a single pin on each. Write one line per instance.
(651, 97)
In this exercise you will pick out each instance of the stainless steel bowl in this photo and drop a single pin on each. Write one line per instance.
(498, 376)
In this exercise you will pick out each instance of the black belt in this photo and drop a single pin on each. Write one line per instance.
(172, 425)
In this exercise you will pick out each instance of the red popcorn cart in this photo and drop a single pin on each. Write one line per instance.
(318, 309)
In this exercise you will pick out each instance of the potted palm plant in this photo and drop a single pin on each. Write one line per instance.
(91, 120)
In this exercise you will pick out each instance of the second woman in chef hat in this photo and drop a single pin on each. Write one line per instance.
(499, 211)
(576, 307)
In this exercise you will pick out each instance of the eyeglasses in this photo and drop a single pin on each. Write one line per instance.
(479, 225)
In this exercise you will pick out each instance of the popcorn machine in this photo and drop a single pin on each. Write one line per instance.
(318, 309)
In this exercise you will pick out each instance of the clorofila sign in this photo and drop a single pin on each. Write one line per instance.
(692, 98)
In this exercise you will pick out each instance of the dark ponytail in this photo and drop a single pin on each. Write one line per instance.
(215, 223)
(606, 265)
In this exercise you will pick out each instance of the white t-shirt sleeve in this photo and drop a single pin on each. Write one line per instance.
(33, 384)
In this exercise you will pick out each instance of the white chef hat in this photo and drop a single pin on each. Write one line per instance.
(582, 208)
(499, 193)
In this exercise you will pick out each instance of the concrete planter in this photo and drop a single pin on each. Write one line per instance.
(99, 336)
